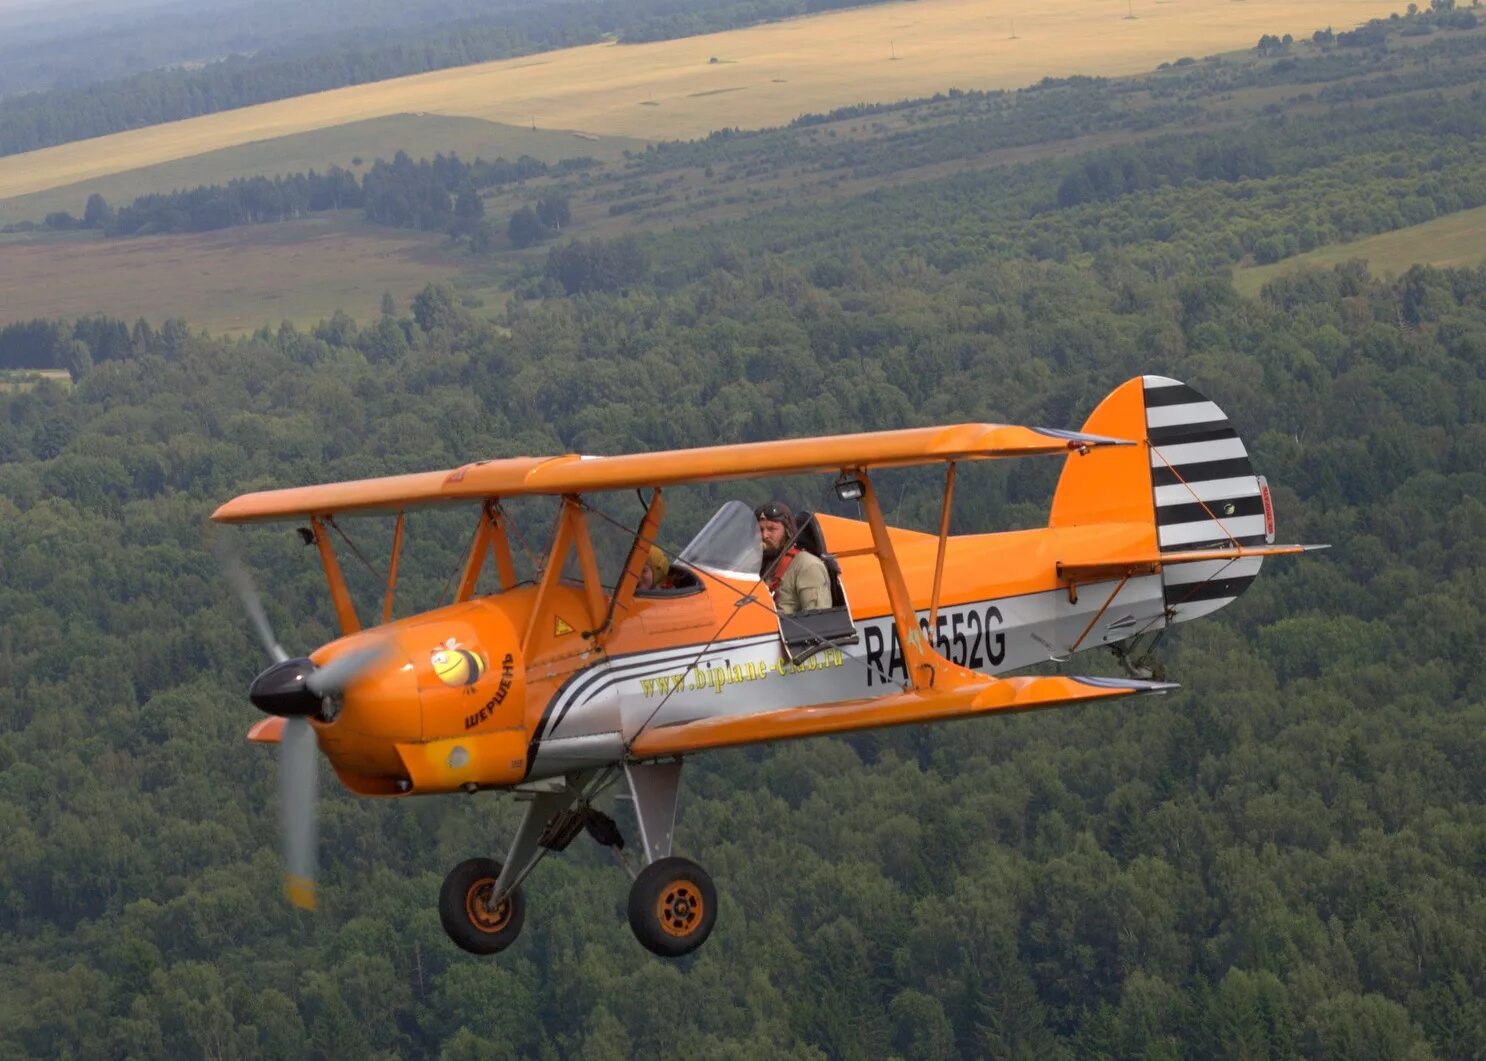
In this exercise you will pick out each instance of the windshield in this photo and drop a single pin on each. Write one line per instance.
(728, 545)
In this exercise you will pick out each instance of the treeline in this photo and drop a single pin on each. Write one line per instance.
(677, 19)
(439, 194)
(43, 119)
(442, 194)
(247, 201)
(79, 344)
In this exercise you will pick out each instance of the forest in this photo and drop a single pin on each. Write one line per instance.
(1284, 859)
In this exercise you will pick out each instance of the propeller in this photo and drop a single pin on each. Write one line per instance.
(295, 690)
(242, 582)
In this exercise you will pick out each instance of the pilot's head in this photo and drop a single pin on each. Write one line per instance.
(776, 525)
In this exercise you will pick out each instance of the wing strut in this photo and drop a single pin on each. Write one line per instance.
(949, 497)
(345, 610)
(639, 556)
(571, 535)
(490, 536)
(924, 664)
(392, 567)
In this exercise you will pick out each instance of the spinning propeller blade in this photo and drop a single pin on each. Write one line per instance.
(294, 689)
(298, 793)
(344, 669)
(242, 582)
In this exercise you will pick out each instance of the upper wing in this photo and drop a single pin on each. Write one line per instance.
(574, 474)
(963, 701)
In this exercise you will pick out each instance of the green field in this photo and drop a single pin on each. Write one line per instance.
(16, 381)
(420, 135)
(229, 282)
(1457, 239)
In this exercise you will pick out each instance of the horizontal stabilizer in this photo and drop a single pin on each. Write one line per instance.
(1151, 563)
(899, 709)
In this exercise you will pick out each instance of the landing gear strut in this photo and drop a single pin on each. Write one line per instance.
(672, 902)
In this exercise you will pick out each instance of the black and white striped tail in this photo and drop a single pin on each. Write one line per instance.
(1207, 496)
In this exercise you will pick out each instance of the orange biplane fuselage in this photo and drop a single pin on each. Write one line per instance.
(560, 686)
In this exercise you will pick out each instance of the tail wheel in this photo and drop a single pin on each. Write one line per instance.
(672, 906)
(464, 908)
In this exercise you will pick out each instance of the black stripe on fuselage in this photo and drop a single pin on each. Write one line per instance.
(1200, 472)
(1202, 431)
(1192, 512)
(1181, 394)
(579, 685)
(1215, 543)
(1213, 589)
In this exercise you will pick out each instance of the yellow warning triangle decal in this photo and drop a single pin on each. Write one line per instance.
(560, 627)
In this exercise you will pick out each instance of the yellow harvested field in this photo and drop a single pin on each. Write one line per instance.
(763, 75)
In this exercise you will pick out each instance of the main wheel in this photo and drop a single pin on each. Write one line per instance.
(462, 908)
(672, 906)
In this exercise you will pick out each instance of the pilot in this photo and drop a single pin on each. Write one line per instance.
(654, 573)
(797, 578)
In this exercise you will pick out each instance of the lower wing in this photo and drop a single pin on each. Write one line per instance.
(897, 709)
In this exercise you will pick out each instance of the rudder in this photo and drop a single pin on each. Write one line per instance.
(1191, 480)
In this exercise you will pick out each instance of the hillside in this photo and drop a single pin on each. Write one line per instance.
(1258, 126)
(763, 75)
(1284, 859)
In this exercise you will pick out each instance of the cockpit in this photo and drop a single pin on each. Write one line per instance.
(728, 546)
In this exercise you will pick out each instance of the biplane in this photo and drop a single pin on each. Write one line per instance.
(563, 685)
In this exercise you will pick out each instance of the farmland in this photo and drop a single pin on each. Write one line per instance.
(758, 76)
(231, 281)
(1455, 240)
(420, 135)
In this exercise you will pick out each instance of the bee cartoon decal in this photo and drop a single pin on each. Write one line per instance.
(457, 666)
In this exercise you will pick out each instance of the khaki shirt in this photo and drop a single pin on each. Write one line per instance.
(805, 586)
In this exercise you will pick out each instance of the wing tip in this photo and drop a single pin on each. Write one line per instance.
(1078, 439)
(1130, 686)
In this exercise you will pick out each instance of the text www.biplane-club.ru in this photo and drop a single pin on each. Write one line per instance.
(717, 678)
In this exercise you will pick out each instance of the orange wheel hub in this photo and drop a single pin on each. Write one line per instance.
(479, 913)
(680, 908)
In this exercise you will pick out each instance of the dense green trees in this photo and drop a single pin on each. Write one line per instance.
(1283, 859)
(1277, 861)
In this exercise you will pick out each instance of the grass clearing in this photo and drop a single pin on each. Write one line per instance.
(18, 381)
(781, 69)
(420, 135)
(231, 281)
(1457, 239)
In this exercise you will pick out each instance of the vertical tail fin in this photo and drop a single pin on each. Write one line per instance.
(1192, 481)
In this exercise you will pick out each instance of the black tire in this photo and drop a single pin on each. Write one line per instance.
(462, 908)
(672, 907)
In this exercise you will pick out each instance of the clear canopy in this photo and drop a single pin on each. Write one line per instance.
(728, 545)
